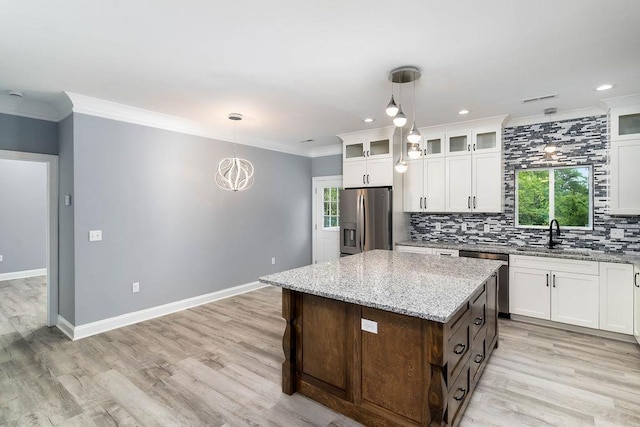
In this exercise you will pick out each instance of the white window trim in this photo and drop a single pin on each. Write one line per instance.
(552, 198)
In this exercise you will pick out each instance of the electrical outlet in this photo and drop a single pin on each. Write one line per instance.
(136, 287)
(617, 233)
(463, 227)
(95, 235)
(369, 326)
(438, 226)
(1, 258)
(273, 261)
(487, 228)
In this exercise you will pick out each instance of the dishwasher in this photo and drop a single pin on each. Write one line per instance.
(503, 278)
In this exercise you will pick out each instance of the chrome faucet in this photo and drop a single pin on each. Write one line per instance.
(552, 243)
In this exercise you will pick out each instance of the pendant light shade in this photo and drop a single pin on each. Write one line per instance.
(400, 119)
(392, 108)
(414, 135)
(413, 152)
(401, 166)
(234, 173)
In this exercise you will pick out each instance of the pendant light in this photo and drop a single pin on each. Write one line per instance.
(234, 174)
(414, 136)
(401, 165)
(392, 107)
(551, 146)
(400, 119)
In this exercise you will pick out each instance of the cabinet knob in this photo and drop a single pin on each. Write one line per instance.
(459, 349)
(477, 321)
(479, 358)
(460, 394)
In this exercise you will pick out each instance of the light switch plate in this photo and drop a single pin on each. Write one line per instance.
(617, 233)
(95, 235)
(67, 200)
(464, 226)
(369, 326)
(135, 287)
(438, 226)
(1, 258)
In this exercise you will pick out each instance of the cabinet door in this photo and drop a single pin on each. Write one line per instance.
(625, 123)
(379, 149)
(354, 174)
(487, 182)
(529, 292)
(379, 172)
(575, 299)
(625, 175)
(616, 297)
(434, 184)
(486, 140)
(458, 143)
(353, 151)
(636, 303)
(413, 186)
(458, 184)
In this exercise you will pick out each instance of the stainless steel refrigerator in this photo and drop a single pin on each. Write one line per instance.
(365, 220)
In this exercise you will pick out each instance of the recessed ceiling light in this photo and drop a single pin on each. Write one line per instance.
(368, 120)
(463, 112)
(604, 87)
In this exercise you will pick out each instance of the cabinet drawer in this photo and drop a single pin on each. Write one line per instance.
(555, 264)
(478, 355)
(445, 252)
(457, 352)
(414, 249)
(478, 314)
(458, 395)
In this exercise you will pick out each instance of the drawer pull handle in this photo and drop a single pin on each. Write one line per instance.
(460, 397)
(635, 280)
(547, 280)
(477, 321)
(479, 358)
(459, 349)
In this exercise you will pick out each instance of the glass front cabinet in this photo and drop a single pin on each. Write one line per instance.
(367, 158)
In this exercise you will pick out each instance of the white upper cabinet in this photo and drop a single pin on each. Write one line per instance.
(487, 188)
(625, 123)
(458, 184)
(424, 181)
(367, 158)
(458, 143)
(625, 158)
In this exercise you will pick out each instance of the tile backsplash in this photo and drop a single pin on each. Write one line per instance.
(581, 141)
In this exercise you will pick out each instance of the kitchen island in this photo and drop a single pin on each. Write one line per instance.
(389, 338)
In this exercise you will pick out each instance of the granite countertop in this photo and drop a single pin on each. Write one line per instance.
(426, 286)
(580, 254)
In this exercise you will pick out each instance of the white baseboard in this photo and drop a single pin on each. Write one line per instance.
(23, 274)
(93, 328)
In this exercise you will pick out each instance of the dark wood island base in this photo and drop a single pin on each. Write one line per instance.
(412, 372)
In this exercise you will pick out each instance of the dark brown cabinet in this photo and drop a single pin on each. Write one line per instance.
(409, 371)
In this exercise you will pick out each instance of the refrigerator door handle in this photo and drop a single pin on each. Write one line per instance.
(364, 224)
(358, 225)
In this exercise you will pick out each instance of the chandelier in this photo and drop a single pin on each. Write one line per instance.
(234, 173)
(404, 75)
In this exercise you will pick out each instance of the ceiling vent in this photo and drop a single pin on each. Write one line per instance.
(539, 98)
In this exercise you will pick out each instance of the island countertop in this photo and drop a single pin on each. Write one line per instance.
(426, 286)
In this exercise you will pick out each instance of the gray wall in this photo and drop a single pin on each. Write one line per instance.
(66, 253)
(23, 215)
(28, 135)
(582, 141)
(168, 226)
(327, 165)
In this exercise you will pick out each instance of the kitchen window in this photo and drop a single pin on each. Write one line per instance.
(330, 215)
(563, 193)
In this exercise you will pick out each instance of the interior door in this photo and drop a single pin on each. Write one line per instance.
(327, 220)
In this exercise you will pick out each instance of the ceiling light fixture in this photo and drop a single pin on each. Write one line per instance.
(234, 173)
(604, 87)
(403, 75)
(463, 112)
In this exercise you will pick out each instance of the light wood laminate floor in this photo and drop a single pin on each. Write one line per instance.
(219, 364)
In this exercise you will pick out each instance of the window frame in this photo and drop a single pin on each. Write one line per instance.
(589, 226)
(337, 215)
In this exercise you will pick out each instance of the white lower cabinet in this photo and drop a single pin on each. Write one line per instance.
(560, 290)
(616, 297)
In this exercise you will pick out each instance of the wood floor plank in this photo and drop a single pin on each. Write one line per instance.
(219, 364)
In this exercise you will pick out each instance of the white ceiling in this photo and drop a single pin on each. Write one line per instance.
(313, 69)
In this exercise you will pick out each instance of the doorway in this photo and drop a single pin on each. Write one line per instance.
(51, 162)
(326, 218)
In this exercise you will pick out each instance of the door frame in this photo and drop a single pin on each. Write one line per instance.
(52, 224)
(314, 208)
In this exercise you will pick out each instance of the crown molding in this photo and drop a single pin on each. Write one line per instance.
(326, 150)
(563, 115)
(621, 101)
(27, 108)
(468, 124)
(83, 104)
